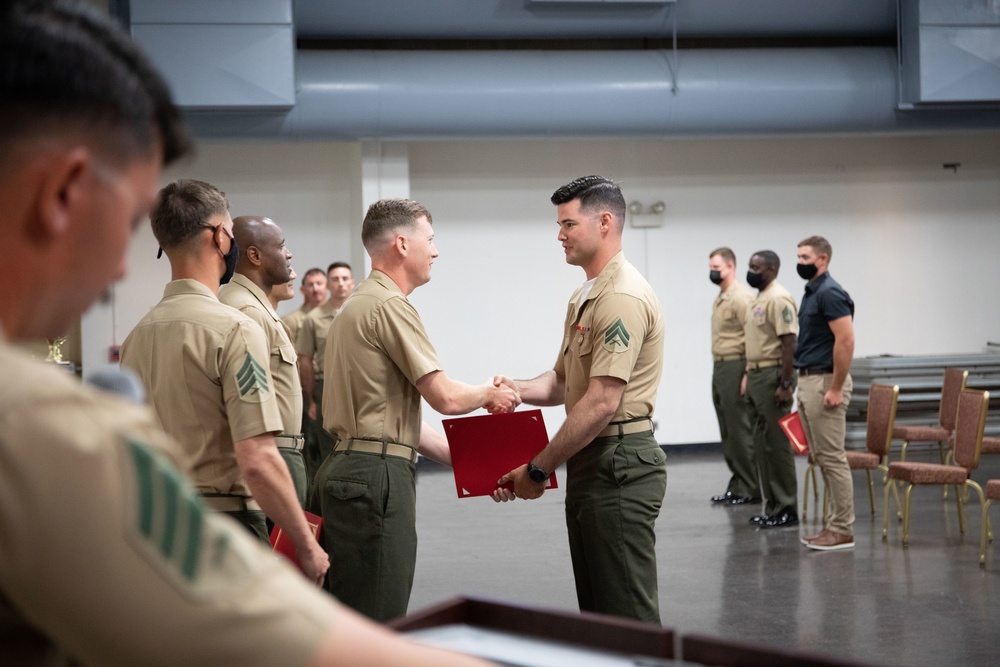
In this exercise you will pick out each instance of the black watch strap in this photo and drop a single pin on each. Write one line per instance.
(536, 474)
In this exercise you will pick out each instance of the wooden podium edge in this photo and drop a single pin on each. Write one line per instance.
(582, 628)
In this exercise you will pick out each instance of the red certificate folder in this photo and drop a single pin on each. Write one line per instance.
(283, 545)
(791, 424)
(484, 448)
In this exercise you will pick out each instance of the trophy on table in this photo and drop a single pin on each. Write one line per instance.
(56, 354)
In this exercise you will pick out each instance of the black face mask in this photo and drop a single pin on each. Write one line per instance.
(715, 277)
(230, 257)
(806, 271)
(755, 280)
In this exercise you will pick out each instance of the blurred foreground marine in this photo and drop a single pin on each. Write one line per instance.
(107, 555)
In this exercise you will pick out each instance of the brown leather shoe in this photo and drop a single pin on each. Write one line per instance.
(806, 539)
(831, 541)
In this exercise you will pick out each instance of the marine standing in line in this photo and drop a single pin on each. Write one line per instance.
(771, 328)
(729, 312)
(264, 265)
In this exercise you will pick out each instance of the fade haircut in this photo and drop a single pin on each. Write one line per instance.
(770, 258)
(313, 272)
(386, 216)
(727, 255)
(183, 208)
(820, 245)
(595, 193)
(65, 65)
(339, 265)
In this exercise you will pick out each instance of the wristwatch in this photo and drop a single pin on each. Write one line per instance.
(786, 384)
(536, 474)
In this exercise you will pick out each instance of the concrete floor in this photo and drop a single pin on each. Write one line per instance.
(880, 603)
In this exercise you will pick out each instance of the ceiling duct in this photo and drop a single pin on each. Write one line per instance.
(425, 95)
(949, 52)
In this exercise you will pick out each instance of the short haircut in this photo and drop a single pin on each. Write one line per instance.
(339, 265)
(595, 193)
(65, 65)
(727, 255)
(386, 216)
(820, 245)
(770, 258)
(314, 272)
(183, 208)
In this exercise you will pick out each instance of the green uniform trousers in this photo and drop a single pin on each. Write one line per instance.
(368, 505)
(319, 441)
(254, 521)
(734, 428)
(297, 469)
(775, 461)
(825, 429)
(614, 490)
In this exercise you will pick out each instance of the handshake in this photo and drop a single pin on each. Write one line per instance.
(502, 395)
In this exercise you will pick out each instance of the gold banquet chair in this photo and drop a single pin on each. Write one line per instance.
(953, 385)
(970, 422)
(992, 493)
(882, 401)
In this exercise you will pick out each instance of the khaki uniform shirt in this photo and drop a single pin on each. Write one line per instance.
(242, 294)
(618, 333)
(109, 557)
(377, 350)
(294, 320)
(728, 316)
(772, 314)
(311, 338)
(204, 366)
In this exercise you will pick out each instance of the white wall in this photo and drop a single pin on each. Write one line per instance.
(915, 244)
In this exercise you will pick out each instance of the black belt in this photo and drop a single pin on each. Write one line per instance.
(819, 370)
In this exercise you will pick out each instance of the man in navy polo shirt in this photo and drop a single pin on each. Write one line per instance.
(823, 359)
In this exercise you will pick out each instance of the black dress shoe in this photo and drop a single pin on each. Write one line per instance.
(780, 521)
(724, 498)
(743, 500)
(760, 518)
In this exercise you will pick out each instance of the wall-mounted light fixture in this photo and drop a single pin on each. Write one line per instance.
(641, 215)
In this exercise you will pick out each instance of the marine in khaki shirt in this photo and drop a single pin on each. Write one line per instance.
(249, 299)
(311, 336)
(598, 339)
(772, 314)
(313, 290)
(729, 312)
(771, 328)
(387, 348)
(134, 545)
(263, 272)
(205, 368)
(607, 374)
(381, 364)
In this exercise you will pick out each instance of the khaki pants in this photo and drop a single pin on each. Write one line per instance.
(368, 505)
(773, 452)
(734, 428)
(824, 429)
(614, 490)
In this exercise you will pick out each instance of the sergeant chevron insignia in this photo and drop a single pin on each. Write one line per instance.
(616, 338)
(252, 381)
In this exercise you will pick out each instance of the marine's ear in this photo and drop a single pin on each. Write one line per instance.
(62, 189)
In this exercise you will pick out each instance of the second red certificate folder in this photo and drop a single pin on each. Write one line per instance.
(484, 448)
